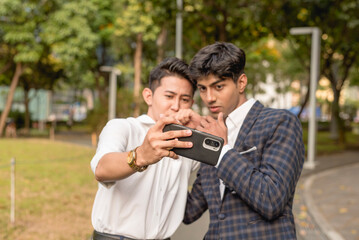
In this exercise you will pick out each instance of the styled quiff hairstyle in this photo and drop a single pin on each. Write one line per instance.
(221, 59)
(170, 67)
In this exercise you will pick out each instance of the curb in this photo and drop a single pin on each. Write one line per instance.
(323, 224)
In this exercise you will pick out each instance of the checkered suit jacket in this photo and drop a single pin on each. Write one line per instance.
(260, 174)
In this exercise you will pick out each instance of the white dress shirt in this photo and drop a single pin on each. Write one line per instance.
(234, 122)
(145, 205)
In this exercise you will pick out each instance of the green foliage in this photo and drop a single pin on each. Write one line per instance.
(136, 16)
(19, 25)
(98, 117)
(68, 32)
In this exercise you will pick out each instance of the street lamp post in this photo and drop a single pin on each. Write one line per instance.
(179, 29)
(114, 72)
(314, 75)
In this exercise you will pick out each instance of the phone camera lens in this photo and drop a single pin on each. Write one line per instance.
(208, 141)
(216, 144)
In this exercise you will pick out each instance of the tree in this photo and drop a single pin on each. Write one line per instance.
(18, 25)
(339, 23)
(55, 34)
(135, 22)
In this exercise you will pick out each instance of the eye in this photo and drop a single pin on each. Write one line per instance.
(186, 100)
(169, 96)
(201, 88)
(219, 86)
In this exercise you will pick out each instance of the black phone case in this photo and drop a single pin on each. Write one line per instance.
(204, 148)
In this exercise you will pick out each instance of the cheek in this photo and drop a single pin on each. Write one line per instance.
(185, 105)
(203, 96)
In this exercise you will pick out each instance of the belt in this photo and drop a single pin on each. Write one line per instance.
(106, 236)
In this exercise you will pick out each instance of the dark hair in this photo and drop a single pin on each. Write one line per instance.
(220, 59)
(170, 67)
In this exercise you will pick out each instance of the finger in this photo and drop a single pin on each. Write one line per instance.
(164, 121)
(175, 134)
(204, 123)
(175, 143)
(221, 120)
(172, 155)
(209, 119)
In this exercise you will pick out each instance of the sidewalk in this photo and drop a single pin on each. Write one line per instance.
(326, 205)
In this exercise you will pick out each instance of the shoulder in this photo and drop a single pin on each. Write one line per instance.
(122, 126)
(277, 120)
(278, 114)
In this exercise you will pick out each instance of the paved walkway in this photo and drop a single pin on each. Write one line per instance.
(326, 205)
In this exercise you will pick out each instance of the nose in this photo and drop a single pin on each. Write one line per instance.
(175, 105)
(210, 97)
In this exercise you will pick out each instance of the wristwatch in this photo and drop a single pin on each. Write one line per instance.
(131, 160)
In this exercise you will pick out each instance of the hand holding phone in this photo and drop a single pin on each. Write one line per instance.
(206, 147)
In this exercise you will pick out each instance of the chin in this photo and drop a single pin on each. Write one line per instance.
(214, 115)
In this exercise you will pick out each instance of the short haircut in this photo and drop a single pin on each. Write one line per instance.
(221, 59)
(170, 67)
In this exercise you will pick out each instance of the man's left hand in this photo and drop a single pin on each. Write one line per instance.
(215, 127)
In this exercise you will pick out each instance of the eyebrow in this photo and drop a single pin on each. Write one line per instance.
(174, 93)
(212, 84)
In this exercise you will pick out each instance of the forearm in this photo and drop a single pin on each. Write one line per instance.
(266, 193)
(113, 166)
(266, 179)
(196, 203)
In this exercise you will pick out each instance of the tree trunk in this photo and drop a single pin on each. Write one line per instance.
(10, 96)
(337, 128)
(304, 103)
(27, 112)
(137, 83)
(161, 40)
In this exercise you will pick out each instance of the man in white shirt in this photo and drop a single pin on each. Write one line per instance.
(143, 184)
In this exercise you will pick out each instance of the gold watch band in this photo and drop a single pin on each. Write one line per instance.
(131, 160)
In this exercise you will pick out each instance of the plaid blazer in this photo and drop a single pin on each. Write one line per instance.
(260, 174)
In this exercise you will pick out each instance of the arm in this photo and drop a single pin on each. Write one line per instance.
(268, 185)
(113, 165)
(196, 202)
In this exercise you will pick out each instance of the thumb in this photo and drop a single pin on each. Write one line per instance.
(221, 120)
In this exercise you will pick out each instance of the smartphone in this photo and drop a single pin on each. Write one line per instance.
(206, 147)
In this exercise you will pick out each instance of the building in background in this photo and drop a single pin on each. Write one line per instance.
(46, 106)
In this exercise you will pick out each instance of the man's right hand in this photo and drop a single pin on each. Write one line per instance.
(188, 118)
(158, 144)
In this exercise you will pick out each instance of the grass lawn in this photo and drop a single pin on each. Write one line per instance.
(325, 145)
(55, 189)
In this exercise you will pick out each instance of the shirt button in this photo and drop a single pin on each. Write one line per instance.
(221, 216)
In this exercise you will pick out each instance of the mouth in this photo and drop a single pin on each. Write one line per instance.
(214, 109)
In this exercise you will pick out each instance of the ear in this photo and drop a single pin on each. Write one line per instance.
(242, 83)
(147, 96)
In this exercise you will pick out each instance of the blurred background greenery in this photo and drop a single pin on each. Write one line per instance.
(52, 53)
(51, 82)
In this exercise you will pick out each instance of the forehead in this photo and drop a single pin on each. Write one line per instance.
(176, 85)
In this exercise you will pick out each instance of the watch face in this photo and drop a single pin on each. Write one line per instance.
(131, 160)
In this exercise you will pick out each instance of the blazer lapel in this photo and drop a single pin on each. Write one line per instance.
(248, 123)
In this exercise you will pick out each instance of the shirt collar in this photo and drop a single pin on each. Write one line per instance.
(236, 118)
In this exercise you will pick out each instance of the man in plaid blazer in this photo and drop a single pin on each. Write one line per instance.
(249, 193)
